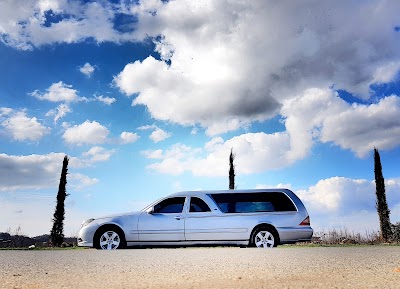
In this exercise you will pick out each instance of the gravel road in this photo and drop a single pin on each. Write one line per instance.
(223, 267)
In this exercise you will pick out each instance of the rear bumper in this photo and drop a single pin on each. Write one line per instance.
(295, 234)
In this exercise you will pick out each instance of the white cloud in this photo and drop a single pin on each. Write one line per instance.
(175, 160)
(159, 135)
(79, 181)
(58, 92)
(59, 112)
(29, 172)
(340, 202)
(87, 69)
(34, 172)
(153, 154)
(27, 26)
(106, 100)
(22, 127)
(361, 127)
(236, 62)
(4, 111)
(319, 115)
(89, 132)
(147, 127)
(128, 137)
(315, 116)
(255, 152)
(386, 73)
(97, 154)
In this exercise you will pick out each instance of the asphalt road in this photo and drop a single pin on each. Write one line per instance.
(229, 267)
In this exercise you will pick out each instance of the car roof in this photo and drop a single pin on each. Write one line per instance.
(207, 192)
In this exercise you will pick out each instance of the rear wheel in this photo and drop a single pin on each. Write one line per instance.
(264, 238)
(109, 239)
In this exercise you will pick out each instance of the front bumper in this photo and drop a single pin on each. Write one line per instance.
(86, 235)
(82, 243)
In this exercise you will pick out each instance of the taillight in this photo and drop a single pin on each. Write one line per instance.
(305, 222)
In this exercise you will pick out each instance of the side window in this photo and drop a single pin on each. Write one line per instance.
(253, 202)
(171, 205)
(198, 205)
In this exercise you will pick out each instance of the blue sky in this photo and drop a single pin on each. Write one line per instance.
(148, 97)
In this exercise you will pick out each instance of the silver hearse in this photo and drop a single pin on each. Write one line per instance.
(260, 218)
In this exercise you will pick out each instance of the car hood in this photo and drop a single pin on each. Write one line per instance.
(117, 216)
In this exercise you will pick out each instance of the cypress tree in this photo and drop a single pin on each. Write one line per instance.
(381, 204)
(57, 232)
(231, 171)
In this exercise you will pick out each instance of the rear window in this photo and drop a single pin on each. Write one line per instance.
(253, 202)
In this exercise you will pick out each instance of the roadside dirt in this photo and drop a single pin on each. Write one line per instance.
(282, 267)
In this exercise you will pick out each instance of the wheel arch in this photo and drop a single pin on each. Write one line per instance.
(267, 226)
(106, 227)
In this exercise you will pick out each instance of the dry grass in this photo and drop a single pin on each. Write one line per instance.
(344, 236)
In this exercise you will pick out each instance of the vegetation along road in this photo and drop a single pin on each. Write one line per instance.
(282, 267)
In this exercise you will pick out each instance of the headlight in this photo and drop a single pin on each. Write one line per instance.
(87, 222)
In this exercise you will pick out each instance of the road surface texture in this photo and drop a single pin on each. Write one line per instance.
(223, 267)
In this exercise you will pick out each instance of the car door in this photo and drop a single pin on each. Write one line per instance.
(205, 222)
(165, 221)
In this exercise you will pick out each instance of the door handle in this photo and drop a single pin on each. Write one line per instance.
(178, 217)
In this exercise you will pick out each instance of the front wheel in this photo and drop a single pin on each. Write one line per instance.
(264, 238)
(110, 239)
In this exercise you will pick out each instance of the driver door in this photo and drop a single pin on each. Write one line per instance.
(165, 222)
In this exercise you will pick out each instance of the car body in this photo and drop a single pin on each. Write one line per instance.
(262, 218)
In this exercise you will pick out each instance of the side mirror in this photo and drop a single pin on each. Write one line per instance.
(150, 211)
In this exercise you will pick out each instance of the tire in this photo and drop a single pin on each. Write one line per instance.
(264, 237)
(109, 238)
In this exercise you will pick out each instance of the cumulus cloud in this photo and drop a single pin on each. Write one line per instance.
(89, 132)
(58, 92)
(128, 137)
(255, 152)
(97, 154)
(157, 134)
(315, 116)
(80, 181)
(87, 69)
(223, 64)
(4, 111)
(31, 25)
(176, 160)
(340, 202)
(386, 73)
(59, 112)
(319, 115)
(106, 100)
(226, 64)
(34, 172)
(29, 172)
(361, 127)
(21, 127)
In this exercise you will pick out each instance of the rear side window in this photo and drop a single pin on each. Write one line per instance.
(198, 205)
(253, 202)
